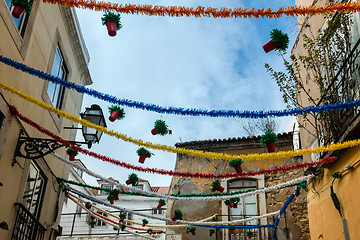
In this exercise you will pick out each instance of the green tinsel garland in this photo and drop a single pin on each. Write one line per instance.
(268, 137)
(133, 179)
(24, 3)
(280, 39)
(143, 151)
(112, 17)
(119, 109)
(178, 214)
(235, 163)
(161, 127)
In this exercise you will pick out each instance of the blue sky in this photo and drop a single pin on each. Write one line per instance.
(185, 62)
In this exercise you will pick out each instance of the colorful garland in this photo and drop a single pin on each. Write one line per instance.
(168, 172)
(180, 11)
(177, 110)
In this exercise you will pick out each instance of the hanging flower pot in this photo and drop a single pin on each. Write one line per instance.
(231, 204)
(193, 231)
(214, 219)
(20, 6)
(279, 41)
(161, 128)
(234, 201)
(231, 229)
(249, 234)
(115, 194)
(187, 230)
(112, 22)
(161, 203)
(122, 217)
(133, 179)
(143, 153)
(122, 227)
(72, 153)
(116, 112)
(237, 165)
(92, 224)
(149, 231)
(177, 215)
(144, 222)
(110, 198)
(235, 205)
(215, 186)
(88, 205)
(269, 139)
(211, 232)
(92, 218)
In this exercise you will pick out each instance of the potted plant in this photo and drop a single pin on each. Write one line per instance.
(235, 201)
(112, 22)
(115, 193)
(20, 6)
(115, 228)
(193, 231)
(237, 165)
(215, 185)
(177, 215)
(144, 222)
(122, 227)
(249, 234)
(88, 205)
(116, 112)
(92, 223)
(122, 217)
(149, 231)
(279, 41)
(227, 203)
(269, 139)
(72, 153)
(214, 219)
(161, 203)
(133, 180)
(211, 232)
(161, 128)
(92, 218)
(143, 153)
(231, 229)
(110, 198)
(187, 230)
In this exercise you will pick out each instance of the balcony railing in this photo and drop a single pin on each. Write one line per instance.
(27, 227)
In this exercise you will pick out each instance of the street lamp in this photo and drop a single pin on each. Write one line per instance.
(94, 115)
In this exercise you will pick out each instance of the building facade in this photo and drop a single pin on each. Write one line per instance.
(49, 39)
(293, 225)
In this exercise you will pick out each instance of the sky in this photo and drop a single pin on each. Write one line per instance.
(188, 62)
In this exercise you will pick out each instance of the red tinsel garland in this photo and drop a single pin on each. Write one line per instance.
(168, 172)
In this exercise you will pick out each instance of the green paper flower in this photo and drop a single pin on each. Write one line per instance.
(162, 201)
(88, 205)
(110, 197)
(336, 174)
(122, 226)
(143, 151)
(92, 222)
(178, 214)
(161, 127)
(119, 109)
(122, 215)
(215, 219)
(214, 185)
(71, 150)
(145, 221)
(192, 229)
(149, 231)
(24, 3)
(234, 200)
(133, 179)
(112, 17)
(249, 233)
(231, 227)
(268, 137)
(235, 163)
(280, 39)
(212, 231)
(115, 228)
(227, 202)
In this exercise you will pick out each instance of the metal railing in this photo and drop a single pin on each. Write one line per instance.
(27, 227)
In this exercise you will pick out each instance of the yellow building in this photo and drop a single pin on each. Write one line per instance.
(340, 83)
(48, 39)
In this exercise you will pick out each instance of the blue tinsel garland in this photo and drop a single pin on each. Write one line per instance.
(178, 110)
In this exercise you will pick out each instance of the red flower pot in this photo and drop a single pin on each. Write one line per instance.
(17, 11)
(219, 188)
(210, 234)
(231, 205)
(92, 219)
(122, 229)
(127, 182)
(238, 169)
(159, 205)
(116, 196)
(72, 156)
(269, 46)
(193, 233)
(111, 27)
(111, 201)
(173, 218)
(187, 231)
(249, 236)
(142, 158)
(143, 224)
(122, 219)
(270, 147)
(153, 131)
(114, 114)
(231, 231)
(88, 205)
(92, 225)
(235, 205)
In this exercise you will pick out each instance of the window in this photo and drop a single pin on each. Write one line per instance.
(106, 186)
(247, 207)
(20, 22)
(101, 223)
(78, 211)
(156, 211)
(56, 91)
(34, 190)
